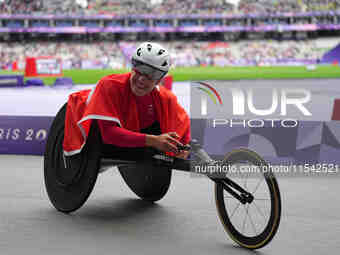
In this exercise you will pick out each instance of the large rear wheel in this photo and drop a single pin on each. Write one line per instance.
(69, 180)
(148, 181)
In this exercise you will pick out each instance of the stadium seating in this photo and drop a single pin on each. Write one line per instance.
(116, 55)
(123, 7)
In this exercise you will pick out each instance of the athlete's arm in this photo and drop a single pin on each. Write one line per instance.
(112, 134)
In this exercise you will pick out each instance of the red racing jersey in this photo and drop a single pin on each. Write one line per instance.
(113, 100)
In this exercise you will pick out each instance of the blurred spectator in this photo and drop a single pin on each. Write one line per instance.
(99, 55)
(20, 6)
(116, 55)
(126, 7)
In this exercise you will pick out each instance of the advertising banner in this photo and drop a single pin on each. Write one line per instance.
(48, 66)
(11, 81)
(43, 66)
(286, 122)
(24, 134)
(191, 29)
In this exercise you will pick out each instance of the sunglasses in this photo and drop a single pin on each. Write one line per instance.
(148, 71)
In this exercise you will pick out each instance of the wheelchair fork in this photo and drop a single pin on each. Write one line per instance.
(228, 185)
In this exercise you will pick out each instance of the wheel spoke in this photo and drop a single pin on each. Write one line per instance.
(261, 213)
(244, 222)
(235, 209)
(237, 206)
(265, 206)
(257, 186)
(245, 182)
(251, 221)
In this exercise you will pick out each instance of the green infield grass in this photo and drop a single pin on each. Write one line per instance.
(211, 73)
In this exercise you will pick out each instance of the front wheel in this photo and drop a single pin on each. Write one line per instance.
(252, 225)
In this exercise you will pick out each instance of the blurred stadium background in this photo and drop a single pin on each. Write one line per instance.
(217, 39)
(83, 40)
(78, 42)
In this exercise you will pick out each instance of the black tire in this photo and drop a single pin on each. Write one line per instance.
(148, 181)
(270, 228)
(69, 187)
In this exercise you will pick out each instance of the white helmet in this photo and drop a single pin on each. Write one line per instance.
(154, 55)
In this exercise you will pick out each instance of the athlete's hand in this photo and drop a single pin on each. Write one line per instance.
(182, 154)
(165, 142)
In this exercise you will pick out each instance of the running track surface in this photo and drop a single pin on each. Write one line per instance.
(185, 221)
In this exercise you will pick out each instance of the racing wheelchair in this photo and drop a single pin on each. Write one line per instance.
(249, 208)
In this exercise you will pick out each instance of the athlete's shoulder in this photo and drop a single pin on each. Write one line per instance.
(166, 93)
(115, 80)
